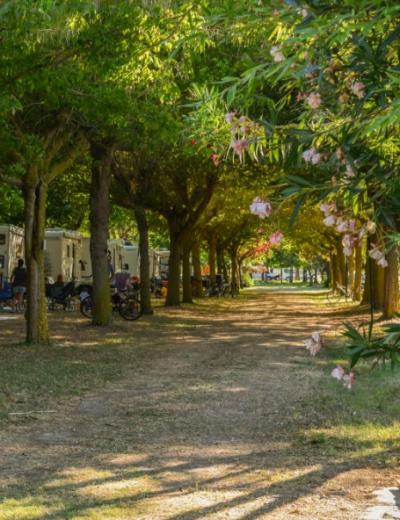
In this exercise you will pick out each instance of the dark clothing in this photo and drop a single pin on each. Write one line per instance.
(19, 277)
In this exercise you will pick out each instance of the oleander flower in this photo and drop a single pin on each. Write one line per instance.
(382, 262)
(349, 171)
(370, 227)
(330, 220)
(239, 146)
(314, 344)
(312, 156)
(229, 117)
(276, 238)
(349, 379)
(338, 372)
(314, 100)
(260, 207)
(277, 54)
(342, 225)
(358, 89)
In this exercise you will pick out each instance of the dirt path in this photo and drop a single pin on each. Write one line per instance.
(203, 427)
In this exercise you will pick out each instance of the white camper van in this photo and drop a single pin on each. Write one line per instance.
(131, 259)
(11, 249)
(62, 254)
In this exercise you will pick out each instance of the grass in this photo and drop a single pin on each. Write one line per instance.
(358, 422)
(31, 377)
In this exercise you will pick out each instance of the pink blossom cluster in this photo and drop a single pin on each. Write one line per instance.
(275, 238)
(347, 379)
(312, 156)
(353, 232)
(379, 256)
(260, 207)
(240, 129)
(277, 54)
(314, 343)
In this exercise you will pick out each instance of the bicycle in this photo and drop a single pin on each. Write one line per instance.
(340, 294)
(125, 302)
(231, 289)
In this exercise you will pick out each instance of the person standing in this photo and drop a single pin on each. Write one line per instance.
(18, 281)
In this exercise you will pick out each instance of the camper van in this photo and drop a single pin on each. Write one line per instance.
(116, 252)
(62, 254)
(11, 249)
(131, 259)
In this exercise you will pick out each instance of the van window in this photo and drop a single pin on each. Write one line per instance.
(2, 261)
(68, 251)
(2, 239)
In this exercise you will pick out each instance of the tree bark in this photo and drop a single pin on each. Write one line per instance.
(99, 221)
(145, 291)
(234, 269)
(351, 264)
(37, 330)
(341, 262)
(197, 269)
(212, 258)
(220, 260)
(357, 273)
(174, 271)
(391, 292)
(187, 296)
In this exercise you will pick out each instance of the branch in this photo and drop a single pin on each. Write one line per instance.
(60, 167)
(11, 181)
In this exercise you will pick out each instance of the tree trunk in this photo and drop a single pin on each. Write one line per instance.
(234, 269)
(220, 260)
(187, 296)
(197, 269)
(351, 264)
(145, 291)
(212, 258)
(357, 273)
(379, 285)
(341, 262)
(174, 271)
(391, 292)
(37, 330)
(297, 274)
(99, 220)
(366, 298)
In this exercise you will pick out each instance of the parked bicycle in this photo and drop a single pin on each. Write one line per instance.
(125, 302)
(231, 289)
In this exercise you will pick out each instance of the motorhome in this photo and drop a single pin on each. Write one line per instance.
(63, 254)
(11, 249)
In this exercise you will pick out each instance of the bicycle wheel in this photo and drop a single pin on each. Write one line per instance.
(130, 309)
(86, 307)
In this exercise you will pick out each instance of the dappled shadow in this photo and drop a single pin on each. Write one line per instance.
(207, 418)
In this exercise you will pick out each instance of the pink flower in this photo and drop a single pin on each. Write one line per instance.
(338, 372)
(276, 238)
(370, 227)
(382, 262)
(277, 54)
(316, 158)
(330, 220)
(314, 344)
(239, 146)
(314, 100)
(349, 171)
(349, 379)
(348, 244)
(260, 207)
(229, 117)
(375, 253)
(358, 89)
(215, 159)
(342, 225)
